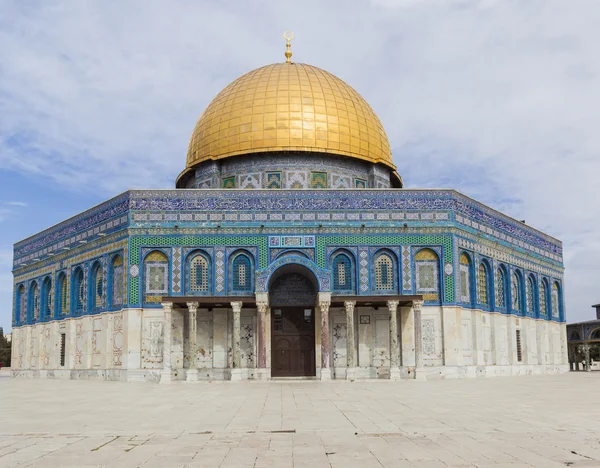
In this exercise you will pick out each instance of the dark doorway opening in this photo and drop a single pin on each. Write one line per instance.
(292, 295)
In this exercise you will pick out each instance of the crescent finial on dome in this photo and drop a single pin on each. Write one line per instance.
(288, 36)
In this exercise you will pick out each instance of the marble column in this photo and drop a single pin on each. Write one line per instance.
(236, 371)
(166, 374)
(588, 361)
(350, 341)
(394, 351)
(192, 372)
(419, 369)
(325, 369)
(261, 309)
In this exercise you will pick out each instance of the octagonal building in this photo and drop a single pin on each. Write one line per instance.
(289, 248)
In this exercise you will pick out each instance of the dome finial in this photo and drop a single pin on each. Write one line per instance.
(288, 36)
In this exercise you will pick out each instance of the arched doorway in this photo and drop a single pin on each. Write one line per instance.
(292, 296)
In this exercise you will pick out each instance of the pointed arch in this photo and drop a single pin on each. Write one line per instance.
(116, 282)
(156, 276)
(46, 305)
(96, 288)
(531, 303)
(427, 274)
(33, 302)
(544, 291)
(20, 304)
(501, 287)
(342, 272)
(241, 272)
(516, 292)
(384, 272)
(556, 301)
(199, 273)
(484, 289)
(62, 295)
(77, 291)
(465, 278)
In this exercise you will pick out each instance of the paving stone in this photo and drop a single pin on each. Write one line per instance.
(534, 421)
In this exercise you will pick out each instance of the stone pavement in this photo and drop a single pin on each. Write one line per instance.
(540, 421)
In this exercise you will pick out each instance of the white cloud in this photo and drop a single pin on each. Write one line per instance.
(16, 203)
(495, 98)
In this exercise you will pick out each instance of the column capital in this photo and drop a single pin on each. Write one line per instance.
(262, 307)
(393, 305)
(192, 306)
(236, 306)
(349, 305)
(324, 306)
(167, 306)
(417, 305)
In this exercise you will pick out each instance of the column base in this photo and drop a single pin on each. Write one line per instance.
(263, 374)
(166, 376)
(395, 373)
(351, 373)
(236, 375)
(420, 373)
(326, 374)
(192, 375)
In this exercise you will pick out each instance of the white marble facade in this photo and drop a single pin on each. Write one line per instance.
(129, 345)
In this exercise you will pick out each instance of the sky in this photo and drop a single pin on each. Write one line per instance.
(499, 99)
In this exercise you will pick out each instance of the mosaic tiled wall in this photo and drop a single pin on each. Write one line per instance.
(290, 170)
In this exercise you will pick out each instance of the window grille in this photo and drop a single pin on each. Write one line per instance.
(519, 351)
(62, 349)
(465, 278)
(118, 290)
(384, 274)
(199, 274)
(427, 274)
(342, 271)
(529, 295)
(555, 306)
(500, 288)
(543, 293)
(483, 285)
(515, 291)
(242, 275)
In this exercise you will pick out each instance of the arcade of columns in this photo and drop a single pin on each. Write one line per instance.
(261, 307)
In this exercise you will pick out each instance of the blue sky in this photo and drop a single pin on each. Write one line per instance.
(496, 98)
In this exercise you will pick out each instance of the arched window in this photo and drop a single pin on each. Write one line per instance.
(574, 336)
(96, 287)
(543, 299)
(595, 335)
(530, 296)
(20, 304)
(199, 274)
(47, 299)
(465, 278)
(156, 270)
(117, 286)
(482, 285)
(241, 273)
(342, 273)
(515, 292)
(384, 273)
(555, 301)
(427, 274)
(500, 288)
(34, 302)
(62, 295)
(77, 291)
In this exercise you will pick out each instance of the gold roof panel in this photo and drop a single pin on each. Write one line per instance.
(288, 107)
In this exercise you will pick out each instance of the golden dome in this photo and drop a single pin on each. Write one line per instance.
(288, 107)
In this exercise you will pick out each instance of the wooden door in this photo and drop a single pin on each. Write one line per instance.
(293, 342)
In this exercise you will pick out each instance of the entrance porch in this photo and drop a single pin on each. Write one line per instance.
(246, 338)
